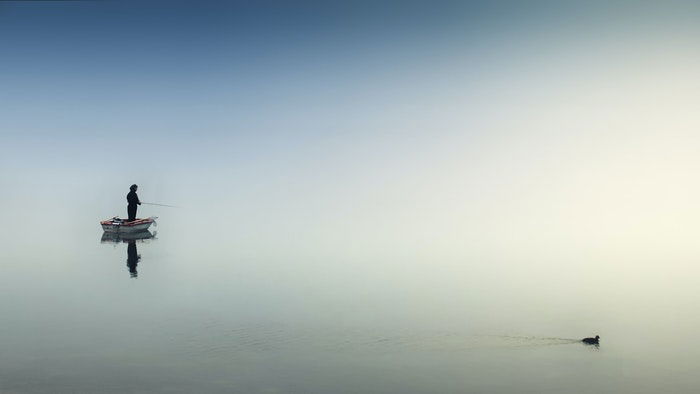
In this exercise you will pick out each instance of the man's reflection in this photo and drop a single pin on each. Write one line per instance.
(132, 254)
(132, 258)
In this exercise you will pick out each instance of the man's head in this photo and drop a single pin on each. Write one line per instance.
(133, 187)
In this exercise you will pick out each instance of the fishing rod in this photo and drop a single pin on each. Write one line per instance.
(160, 205)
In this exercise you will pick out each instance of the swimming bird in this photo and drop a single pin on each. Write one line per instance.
(591, 341)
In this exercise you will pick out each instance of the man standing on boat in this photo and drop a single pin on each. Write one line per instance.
(133, 201)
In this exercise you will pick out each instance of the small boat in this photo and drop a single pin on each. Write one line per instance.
(117, 225)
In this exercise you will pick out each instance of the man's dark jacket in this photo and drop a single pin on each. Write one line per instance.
(134, 202)
(132, 198)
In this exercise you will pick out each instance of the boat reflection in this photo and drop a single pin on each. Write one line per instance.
(117, 238)
(132, 255)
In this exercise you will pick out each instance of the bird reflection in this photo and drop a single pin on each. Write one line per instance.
(132, 255)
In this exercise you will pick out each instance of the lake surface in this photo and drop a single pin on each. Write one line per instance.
(213, 307)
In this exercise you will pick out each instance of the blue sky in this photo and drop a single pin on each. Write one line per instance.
(86, 73)
(406, 117)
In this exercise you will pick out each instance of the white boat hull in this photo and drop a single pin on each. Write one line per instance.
(116, 225)
(124, 229)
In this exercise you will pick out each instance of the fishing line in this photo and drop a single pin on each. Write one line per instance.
(160, 205)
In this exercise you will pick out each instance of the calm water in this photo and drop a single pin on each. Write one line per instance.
(220, 308)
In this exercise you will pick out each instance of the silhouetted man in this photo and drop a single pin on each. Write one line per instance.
(133, 201)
